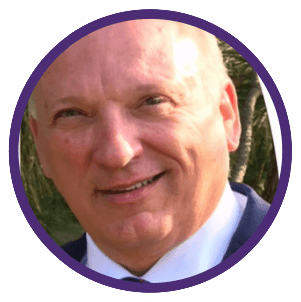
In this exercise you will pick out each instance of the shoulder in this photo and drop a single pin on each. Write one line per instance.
(256, 206)
(76, 249)
(254, 213)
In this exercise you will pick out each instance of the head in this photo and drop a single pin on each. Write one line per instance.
(134, 124)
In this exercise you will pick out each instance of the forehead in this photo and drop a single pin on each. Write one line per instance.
(121, 52)
(133, 40)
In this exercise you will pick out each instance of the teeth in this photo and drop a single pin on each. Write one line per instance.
(136, 186)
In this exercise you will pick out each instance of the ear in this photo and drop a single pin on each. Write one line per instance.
(34, 129)
(33, 126)
(229, 111)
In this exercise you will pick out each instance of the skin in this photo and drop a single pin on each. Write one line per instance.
(99, 126)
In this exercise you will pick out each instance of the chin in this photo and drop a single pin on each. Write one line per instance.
(141, 229)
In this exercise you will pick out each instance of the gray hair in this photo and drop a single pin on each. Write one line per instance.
(32, 106)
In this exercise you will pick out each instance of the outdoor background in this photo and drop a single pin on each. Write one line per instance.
(254, 163)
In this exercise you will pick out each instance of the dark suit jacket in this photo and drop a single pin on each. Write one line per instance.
(253, 215)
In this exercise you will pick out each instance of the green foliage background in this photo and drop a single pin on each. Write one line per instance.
(55, 215)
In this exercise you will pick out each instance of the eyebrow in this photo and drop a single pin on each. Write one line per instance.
(60, 103)
(143, 87)
(176, 88)
(72, 101)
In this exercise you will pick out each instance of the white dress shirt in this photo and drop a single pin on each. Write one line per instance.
(200, 252)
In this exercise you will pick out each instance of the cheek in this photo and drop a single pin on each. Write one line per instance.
(210, 150)
(188, 137)
(68, 155)
(194, 147)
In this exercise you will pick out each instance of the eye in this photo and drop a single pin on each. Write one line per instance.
(156, 106)
(154, 101)
(68, 113)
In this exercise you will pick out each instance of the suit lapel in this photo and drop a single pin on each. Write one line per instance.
(253, 215)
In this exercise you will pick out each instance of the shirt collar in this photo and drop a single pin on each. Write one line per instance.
(200, 252)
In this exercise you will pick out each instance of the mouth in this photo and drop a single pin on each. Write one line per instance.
(132, 188)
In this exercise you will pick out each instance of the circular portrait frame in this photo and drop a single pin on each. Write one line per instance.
(165, 15)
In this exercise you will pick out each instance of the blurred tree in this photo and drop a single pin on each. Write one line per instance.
(244, 149)
(254, 163)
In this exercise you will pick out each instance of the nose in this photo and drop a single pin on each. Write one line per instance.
(117, 143)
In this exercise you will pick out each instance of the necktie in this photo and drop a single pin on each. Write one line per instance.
(134, 280)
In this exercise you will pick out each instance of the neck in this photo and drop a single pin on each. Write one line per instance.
(139, 272)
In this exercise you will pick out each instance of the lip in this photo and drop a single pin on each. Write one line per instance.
(130, 196)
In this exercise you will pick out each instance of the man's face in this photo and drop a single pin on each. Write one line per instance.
(130, 137)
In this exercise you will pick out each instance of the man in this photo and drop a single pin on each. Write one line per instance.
(134, 124)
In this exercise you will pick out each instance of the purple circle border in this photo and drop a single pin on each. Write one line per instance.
(286, 150)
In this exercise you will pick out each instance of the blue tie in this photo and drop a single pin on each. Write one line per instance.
(134, 280)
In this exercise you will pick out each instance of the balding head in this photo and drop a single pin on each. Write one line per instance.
(196, 50)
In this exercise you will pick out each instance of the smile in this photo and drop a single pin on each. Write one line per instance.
(134, 187)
